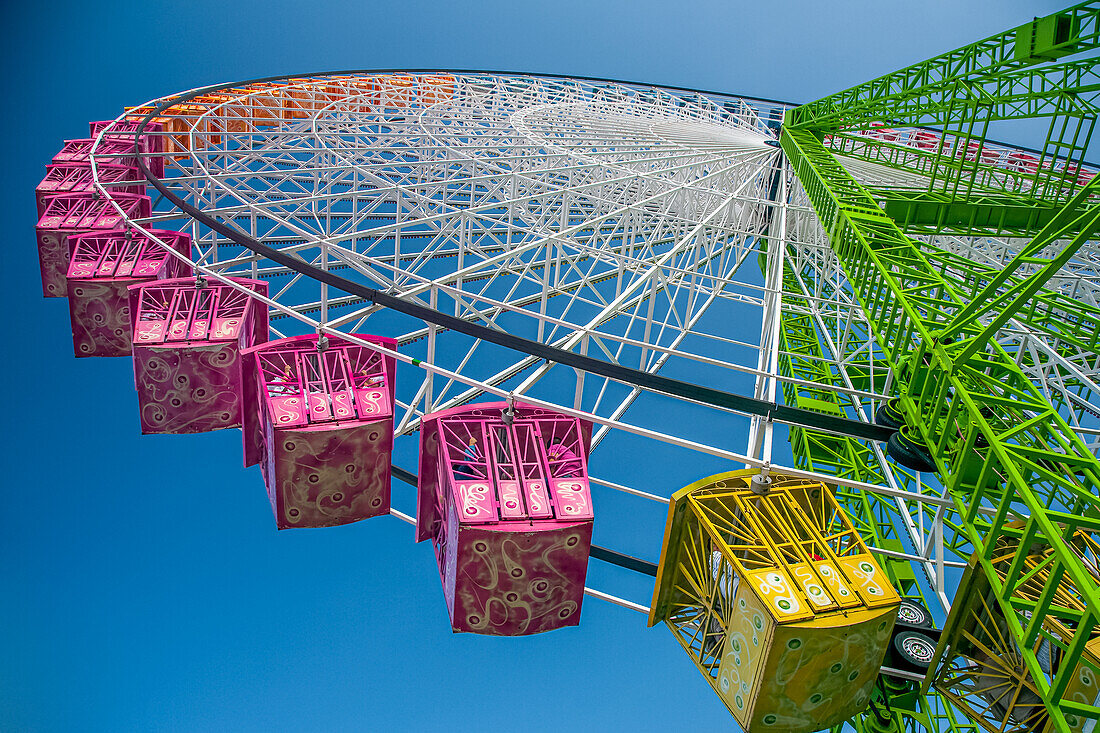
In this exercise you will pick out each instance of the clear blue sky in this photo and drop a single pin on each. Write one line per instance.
(142, 583)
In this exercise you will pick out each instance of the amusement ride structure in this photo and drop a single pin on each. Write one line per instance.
(546, 264)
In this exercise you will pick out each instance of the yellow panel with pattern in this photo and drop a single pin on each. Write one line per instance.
(749, 634)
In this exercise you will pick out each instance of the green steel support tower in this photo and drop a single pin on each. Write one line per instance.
(901, 170)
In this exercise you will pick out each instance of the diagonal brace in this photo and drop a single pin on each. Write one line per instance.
(1077, 216)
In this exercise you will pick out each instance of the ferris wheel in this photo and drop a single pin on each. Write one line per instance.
(885, 320)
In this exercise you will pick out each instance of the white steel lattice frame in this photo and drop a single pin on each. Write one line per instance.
(607, 219)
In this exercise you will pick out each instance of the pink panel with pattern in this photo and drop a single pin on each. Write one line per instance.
(446, 555)
(537, 498)
(319, 406)
(187, 390)
(320, 400)
(372, 401)
(123, 253)
(476, 501)
(188, 310)
(69, 214)
(571, 498)
(512, 504)
(100, 314)
(323, 477)
(508, 502)
(53, 255)
(287, 412)
(516, 581)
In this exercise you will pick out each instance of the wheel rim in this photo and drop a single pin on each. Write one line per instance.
(919, 648)
(911, 614)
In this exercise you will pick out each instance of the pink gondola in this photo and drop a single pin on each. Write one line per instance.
(77, 213)
(187, 341)
(508, 508)
(320, 424)
(103, 267)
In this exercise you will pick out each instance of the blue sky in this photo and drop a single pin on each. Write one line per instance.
(144, 586)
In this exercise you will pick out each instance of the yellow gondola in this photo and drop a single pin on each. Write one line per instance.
(770, 590)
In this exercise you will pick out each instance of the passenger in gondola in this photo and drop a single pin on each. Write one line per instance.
(285, 383)
(372, 381)
(564, 463)
(470, 468)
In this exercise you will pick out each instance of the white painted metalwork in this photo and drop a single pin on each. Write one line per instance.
(618, 221)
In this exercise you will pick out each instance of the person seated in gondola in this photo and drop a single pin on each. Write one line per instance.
(564, 463)
(372, 381)
(471, 467)
(285, 383)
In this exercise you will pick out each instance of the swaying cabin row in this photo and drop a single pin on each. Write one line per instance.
(316, 414)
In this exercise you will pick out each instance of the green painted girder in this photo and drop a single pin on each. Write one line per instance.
(1068, 327)
(931, 213)
(803, 357)
(1070, 87)
(897, 707)
(1074, 30)
(1007, 292)
(954, 169)
(1068, 322)
(877, 519)
(997, 442)
(935, 212)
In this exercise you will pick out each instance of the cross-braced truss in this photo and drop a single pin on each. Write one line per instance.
(650, 228)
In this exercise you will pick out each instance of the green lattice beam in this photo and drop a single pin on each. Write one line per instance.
(1067, 231)
(803, 357)
(953, 171)
(899, 708)
(1056, 89)
(932, 213)
(1062, 318)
